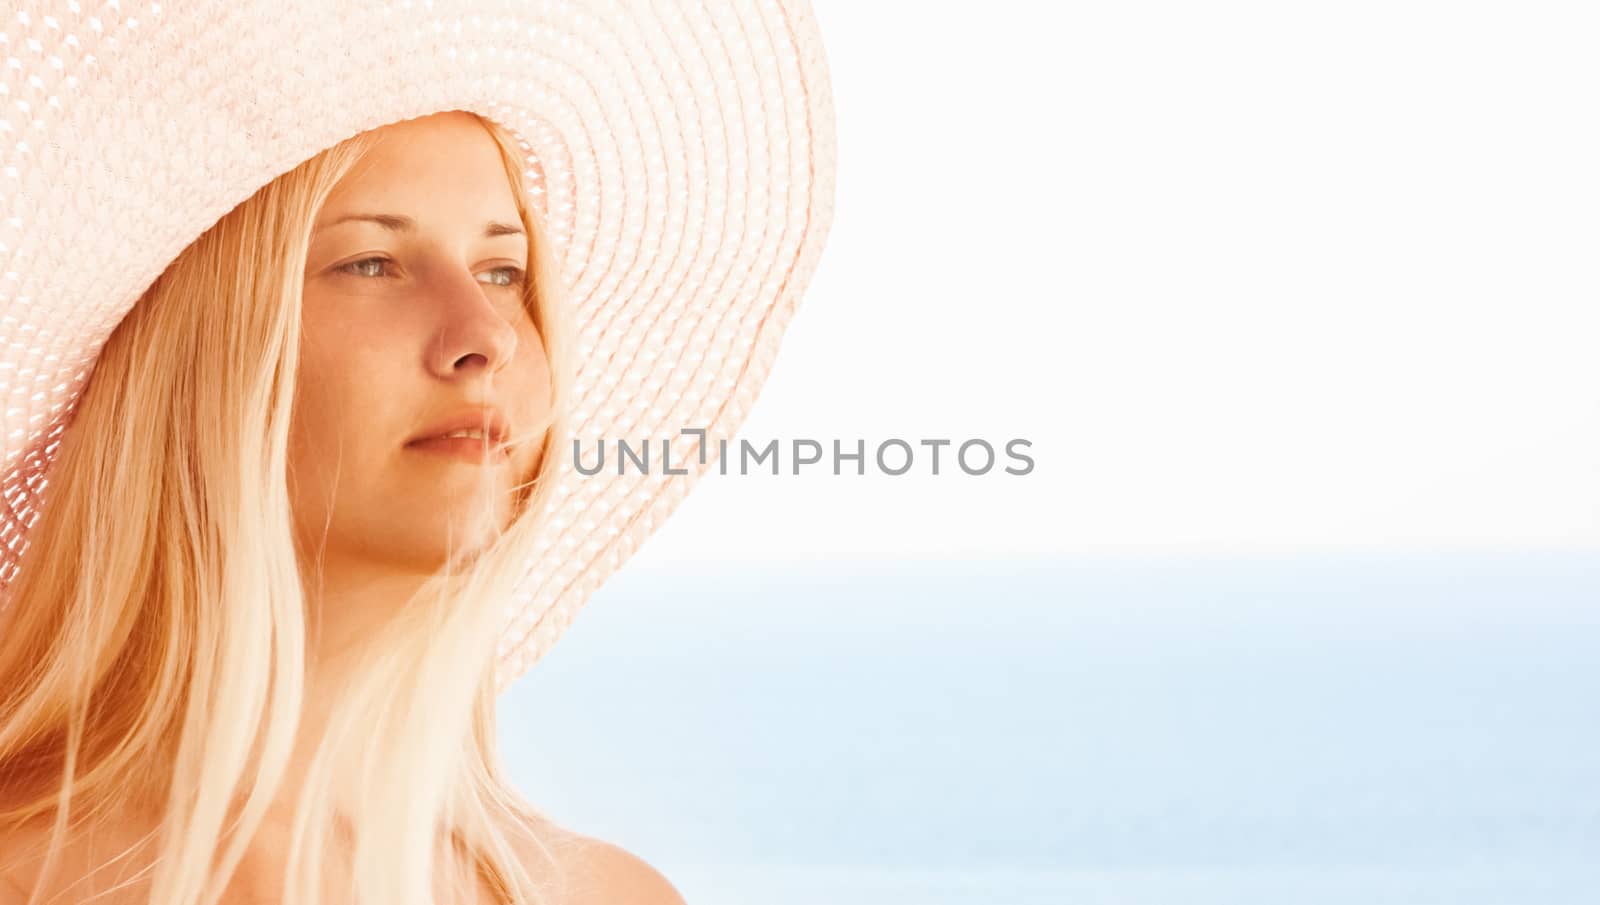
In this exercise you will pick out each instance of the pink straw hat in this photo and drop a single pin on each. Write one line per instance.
(680, 157)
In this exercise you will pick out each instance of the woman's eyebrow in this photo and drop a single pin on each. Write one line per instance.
(402, 224)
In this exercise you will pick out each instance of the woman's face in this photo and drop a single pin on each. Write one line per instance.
(391, 348)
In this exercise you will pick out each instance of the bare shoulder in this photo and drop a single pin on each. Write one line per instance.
(17, 857)
(606, 874)
(16, 865)
(81, 869)
(592, 871)
(11, 892)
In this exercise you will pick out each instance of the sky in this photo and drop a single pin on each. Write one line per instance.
(1248, 277)
(1309, 281)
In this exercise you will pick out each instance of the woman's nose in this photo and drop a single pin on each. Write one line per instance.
(471, 326)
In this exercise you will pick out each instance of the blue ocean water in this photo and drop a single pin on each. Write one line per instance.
(1129, 730)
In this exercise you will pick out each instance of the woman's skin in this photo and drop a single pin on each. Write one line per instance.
(390, 347)
(388, 350)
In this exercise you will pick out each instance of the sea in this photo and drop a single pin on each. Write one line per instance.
(1381, 729)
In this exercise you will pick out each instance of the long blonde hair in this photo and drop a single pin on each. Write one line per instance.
(156, 634)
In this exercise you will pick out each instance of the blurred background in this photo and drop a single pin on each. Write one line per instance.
(1297, 306)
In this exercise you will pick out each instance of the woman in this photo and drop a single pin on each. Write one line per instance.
(276, 550)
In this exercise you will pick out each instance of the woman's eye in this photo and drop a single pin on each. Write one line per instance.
(350, 268)
(513, 276)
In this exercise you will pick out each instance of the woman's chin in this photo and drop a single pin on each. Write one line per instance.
(465, 541)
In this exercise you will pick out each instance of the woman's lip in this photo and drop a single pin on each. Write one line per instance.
(466, 449)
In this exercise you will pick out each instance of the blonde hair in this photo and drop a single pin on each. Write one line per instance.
(157, 630)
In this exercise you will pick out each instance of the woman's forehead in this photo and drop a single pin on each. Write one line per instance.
(440, 171)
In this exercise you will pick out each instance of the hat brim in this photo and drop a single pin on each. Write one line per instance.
(681, 158)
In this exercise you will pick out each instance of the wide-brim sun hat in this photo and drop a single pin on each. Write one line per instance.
(680, 158)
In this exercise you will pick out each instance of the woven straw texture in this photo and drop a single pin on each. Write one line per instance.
(680, 154)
